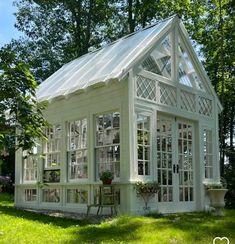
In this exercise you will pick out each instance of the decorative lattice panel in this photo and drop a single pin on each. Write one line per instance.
(188, 101)
(205, 106)
(146, 88)
(167, 95)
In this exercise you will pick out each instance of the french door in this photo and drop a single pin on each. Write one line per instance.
(175, 164)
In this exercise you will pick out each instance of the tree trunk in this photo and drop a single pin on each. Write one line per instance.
(75, 8)
(131, 22)
(88, 29)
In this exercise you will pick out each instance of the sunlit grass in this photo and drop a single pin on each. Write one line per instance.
(18, 226)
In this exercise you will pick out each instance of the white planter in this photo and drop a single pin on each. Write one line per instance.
(217, 199)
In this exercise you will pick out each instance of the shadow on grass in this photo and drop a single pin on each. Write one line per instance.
(7, 208)
(193, 228)
(119, 230)
(188, 228)
(199, 225)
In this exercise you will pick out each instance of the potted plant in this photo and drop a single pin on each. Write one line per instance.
(106, 177)
(146, 190)
(216, 193)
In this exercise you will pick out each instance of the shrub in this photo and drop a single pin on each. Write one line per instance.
(6, 184)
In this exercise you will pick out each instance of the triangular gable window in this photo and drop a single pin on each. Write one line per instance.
(159, 60)
(187, 73)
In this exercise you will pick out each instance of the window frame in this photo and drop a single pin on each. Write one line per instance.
(78, 190)
(83, 150)
(150, 131)
(50, 190)
(208, 156)
(52, 171)
(29, 196)
(116, 147)
(30, 156)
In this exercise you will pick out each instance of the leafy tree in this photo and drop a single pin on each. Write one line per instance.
(216, 37)
(21, 118)
(58, 31)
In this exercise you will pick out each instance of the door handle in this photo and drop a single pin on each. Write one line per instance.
(177, 169)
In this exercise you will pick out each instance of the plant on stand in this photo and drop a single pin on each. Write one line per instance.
(146, 190)
(106, 177)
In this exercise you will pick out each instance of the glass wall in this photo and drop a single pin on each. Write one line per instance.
(107, 148)
(52, 154)
(77, 149)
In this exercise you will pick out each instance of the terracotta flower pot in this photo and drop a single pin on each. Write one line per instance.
(107, 181)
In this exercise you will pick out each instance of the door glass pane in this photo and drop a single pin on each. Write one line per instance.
(164, 159)
(185, 163)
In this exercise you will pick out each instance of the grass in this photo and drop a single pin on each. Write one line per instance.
(19, 226)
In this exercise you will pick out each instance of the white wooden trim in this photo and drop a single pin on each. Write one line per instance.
(132, 136)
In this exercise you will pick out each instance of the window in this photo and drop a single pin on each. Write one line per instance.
(51, 195)
(143, 144)
(159, 60)
(51, 151)
(30, 195)
(187, 73)
(30, 162)
(77, 149)
(77, 196)
(208, 154)
(108, 143)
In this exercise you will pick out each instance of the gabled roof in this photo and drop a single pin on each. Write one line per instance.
(113, 62)
(110, 62)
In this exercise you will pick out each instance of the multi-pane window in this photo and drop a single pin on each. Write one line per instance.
(159, 60)
(187, 73)
(30, 195)
(208, 154)
(30, 162)
(52, 149)
(77, 196)
(51, 195)
(77, 149)
(108, 143)
(143, 144)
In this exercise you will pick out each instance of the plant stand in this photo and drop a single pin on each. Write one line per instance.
(217, 200)
(146, 195)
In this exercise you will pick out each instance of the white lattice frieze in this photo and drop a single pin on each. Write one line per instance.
(166, 95)
(146, 88)
(205, 106)
(187, 101)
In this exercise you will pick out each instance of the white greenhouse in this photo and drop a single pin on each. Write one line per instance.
(141, 107)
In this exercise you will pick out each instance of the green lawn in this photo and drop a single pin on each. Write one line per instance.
(18, 226)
